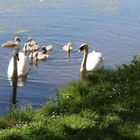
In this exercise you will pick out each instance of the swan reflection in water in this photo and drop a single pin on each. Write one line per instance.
(16, 82)
(20, 81)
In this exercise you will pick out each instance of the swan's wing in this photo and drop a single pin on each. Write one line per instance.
(23, 66)
(99, 54)
(10, 69)
(94, 62)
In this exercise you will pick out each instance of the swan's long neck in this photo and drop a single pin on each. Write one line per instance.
(83, 64)
(15, 75)
(14, 79)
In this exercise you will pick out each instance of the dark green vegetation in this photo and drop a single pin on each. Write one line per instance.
(103, 106)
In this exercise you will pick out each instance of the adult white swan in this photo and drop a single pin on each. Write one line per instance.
(18, 65)
(91, 61)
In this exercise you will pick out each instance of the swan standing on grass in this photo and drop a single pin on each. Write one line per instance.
(12, 44)
(68, 48)
(91, 61)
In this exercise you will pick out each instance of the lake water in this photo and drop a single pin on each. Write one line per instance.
(109, 26)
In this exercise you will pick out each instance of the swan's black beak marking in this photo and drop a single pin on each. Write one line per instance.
(17, 55)
(81, 48)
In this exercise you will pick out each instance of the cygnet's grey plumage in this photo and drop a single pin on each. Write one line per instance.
(11, 44)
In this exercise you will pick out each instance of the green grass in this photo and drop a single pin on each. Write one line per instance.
(103, 106)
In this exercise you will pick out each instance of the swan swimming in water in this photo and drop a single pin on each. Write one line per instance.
(17, 71)
(31, 45)
(12, 44)
(91, 61)
(39, 55)
(48, 47)
(18, 66)
(68, 48)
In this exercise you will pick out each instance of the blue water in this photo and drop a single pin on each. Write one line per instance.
(109, 26)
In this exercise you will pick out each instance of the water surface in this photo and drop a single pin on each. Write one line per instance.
(109, 26)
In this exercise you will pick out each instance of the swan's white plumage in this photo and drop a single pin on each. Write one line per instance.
(22, 66)
(94, 61)
(91, 61)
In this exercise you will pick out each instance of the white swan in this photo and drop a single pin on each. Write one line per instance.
(12, 44)
(18, 65)
(68, 48)
(91, 61)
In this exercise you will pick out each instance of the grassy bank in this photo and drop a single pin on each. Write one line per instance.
(103, 106)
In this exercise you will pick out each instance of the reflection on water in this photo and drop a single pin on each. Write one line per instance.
(109, 26)
(20, 81)
(16, 82)
(14, 91)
